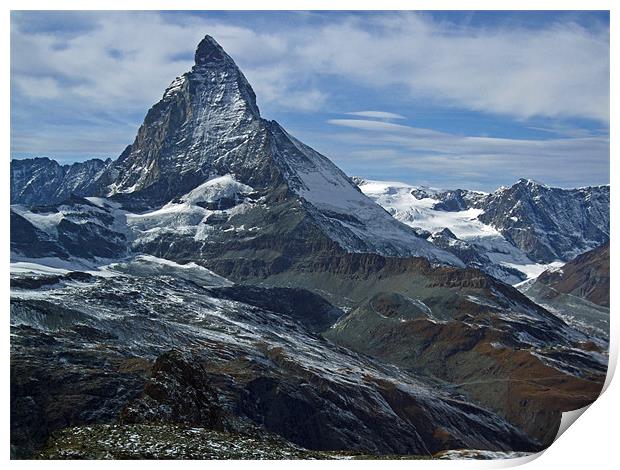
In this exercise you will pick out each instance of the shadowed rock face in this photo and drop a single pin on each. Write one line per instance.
(74, 228)
(59, 378)
(177, 391)
(26, 238)
(306, 307)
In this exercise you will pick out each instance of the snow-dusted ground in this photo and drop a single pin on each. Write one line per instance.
(147, 265)
(473, 454)
(398, 200)
(140, 265)
(57, 266)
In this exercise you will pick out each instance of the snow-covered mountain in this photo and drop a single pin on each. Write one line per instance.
(207, 126)
(513, 233)
(549, 223)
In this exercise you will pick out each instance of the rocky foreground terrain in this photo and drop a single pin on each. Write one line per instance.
(148, 348)
(177, 442)
(221, 290)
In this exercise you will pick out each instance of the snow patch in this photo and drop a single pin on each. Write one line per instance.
(147, 265)
(46, 222)
(49, 265)
(535, 269)
(217, 188)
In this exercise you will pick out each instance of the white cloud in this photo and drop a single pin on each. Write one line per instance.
(364, 124)
(39, 87)
(275, 85)
(377, 114)
(128, 60)
(559, 71)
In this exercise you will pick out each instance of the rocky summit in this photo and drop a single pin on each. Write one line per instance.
(222, 290)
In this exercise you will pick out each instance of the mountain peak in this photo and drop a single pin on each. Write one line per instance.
(208, 51)
(211, 56)
(530, 182)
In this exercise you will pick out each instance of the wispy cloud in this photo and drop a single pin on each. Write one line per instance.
(481, 160)
(561, 70)
(377, 114)
(39, 87)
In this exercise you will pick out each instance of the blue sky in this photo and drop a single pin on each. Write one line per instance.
(446, 99)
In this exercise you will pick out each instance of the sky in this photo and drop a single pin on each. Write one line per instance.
(443, 99)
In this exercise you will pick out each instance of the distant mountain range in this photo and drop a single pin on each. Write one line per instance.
(222, 275)
(513, 233)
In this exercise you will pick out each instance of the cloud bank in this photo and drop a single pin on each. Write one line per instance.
(558, 70)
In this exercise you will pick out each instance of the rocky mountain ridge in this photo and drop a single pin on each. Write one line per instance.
(37, 181)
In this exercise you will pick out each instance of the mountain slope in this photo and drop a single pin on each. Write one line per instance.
(578, 292)
(488, 364)
(134, 345)
(587, 276)
(75, 228)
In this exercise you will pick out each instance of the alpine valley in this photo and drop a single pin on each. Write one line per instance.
(222, 290)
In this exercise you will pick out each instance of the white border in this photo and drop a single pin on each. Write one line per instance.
(590, 444)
